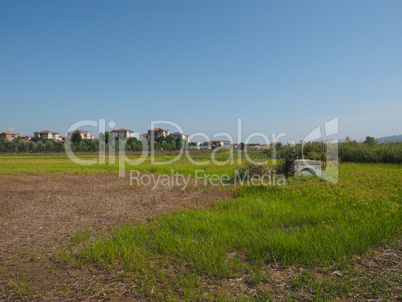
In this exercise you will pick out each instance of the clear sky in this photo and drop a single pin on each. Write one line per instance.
(280, 66)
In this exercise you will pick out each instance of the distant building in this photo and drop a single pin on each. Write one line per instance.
(253, 146)
(27, 137)
(185, 137)
(217, 143)
(8, 135)
(126, 133)
(84, 134)
(46, 134)
(144, 137)
(153, 134)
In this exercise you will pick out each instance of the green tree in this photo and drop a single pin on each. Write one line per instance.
(76, 138)
(104, 136)
(34, 147)
(50, 146)
(180, 143)
(370, 140)
(36, 139)
(170, 139)
(160, 140)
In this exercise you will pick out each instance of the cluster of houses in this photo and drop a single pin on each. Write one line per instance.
(155, 133)
(151, 135)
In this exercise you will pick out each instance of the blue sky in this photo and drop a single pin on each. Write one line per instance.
(280, 66)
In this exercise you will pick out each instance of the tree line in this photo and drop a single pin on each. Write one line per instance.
(368, 151)
(77, 144)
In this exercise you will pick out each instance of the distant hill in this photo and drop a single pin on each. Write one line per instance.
(390, 139)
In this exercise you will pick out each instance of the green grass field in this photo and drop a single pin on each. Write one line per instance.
(306, 223)
(36, 165)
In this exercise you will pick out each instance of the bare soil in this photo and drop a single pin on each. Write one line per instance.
(36, 210)
(38, 214)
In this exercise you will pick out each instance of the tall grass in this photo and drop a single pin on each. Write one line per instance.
(348, 152)
(363, 153)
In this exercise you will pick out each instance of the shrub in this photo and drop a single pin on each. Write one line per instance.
(251, 171)
(287, 165)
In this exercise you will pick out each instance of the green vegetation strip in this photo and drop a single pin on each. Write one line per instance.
(39, 165)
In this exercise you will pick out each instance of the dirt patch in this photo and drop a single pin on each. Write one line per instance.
(36, 210)
(39, 214)
(376, 276)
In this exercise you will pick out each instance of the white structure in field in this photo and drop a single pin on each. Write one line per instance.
(307, 167)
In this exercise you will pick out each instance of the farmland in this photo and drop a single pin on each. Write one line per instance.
(80, 232)
(36, 165)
